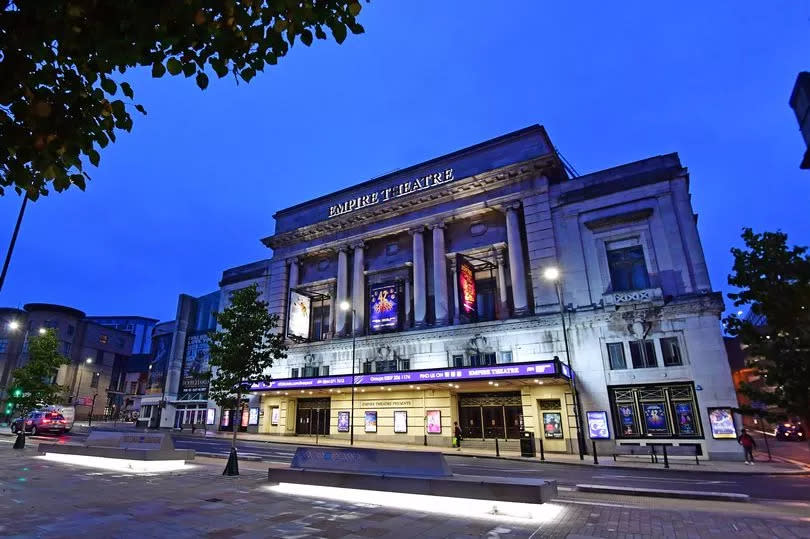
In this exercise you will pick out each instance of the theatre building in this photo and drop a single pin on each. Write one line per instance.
(490, 288)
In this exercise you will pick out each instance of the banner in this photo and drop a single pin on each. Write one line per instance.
(383, 308)
(685, 419)
(627, 420)
(300, 315)
(162, 346)
(552, 425)
(434, 421)
(655, 418)
(371, 422)
(467, 294)
(343, 421)
(722, 422)
(274, 415)
(253, 417)
(598, 425)
(195, 364)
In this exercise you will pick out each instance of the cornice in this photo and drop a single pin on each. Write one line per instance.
(451, 191)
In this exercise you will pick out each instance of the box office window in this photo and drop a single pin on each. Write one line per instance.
(616, 355)
(664, 411)
(643, 354)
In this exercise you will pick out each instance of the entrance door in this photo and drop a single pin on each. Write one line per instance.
(490, 415)
(470, 422)
(312, 416)
(493, 421)
(514, 421)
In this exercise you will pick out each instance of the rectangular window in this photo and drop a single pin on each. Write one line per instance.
(458, 361)
(485, 301)
(489, 359)
(94, 381)
(405, 364)
(671, 352)
(68, 347)
(325, 370)
(367, 367)
(293, 373)
(320, 322)
(70, 331)
(310, 372)
(628, 270)
(616, 355)
(475, 360)
(3, 345)
(643, 354)
(506, 357)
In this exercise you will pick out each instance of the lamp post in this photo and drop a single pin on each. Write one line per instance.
(345, 306)
(79, 385)
(552, 274)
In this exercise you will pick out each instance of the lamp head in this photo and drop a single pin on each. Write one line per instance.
(88, 360)
(551, 274)
(43, 331)
(345, 305)
(13, 325)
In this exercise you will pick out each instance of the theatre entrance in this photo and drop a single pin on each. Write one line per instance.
(490, 415)
(312, 416)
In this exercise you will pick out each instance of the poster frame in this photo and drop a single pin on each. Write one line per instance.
(725, 436)
(601, 415)
(400, 413)
(366, 416)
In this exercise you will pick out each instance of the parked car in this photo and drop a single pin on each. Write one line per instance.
(789, 431)
(40, 422)
(68, 411)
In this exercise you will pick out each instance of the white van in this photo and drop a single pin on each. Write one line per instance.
(68, 411)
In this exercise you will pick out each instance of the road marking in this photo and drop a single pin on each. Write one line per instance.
(668, 479)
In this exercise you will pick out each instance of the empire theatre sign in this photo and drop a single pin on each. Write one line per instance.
(399, 190)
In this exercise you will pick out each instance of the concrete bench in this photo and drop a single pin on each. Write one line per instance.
(412, 472)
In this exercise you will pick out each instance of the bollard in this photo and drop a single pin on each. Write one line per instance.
(497, 449)
(542, 453)
(595, 457)
(666, 461)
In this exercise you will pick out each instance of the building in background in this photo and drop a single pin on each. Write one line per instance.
(13, 334)
(140, 326)
(800, 103)
(98, 355)
(458, 274)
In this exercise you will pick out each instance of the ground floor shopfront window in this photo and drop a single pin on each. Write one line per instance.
(189, 414)
(490, 415)
(663, 411)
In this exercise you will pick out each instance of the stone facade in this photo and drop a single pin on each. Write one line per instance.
(641, 320)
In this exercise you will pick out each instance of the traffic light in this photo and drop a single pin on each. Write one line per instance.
(17, 392)
(9, 407)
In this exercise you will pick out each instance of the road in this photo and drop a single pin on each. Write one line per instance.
(762, 487)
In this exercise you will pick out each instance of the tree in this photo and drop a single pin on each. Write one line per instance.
(241, 352)
(33, 382)
(773, 280)
(63, 93)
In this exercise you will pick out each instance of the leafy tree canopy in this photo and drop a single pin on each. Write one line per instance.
(773, 281)
(35, 377)
(63, 89)
(244, 348)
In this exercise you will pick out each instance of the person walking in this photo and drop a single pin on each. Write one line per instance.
(457, 435)
(748, 444)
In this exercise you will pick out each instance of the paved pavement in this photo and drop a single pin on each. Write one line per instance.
(47, 499)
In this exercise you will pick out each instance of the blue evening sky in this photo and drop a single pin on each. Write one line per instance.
(193, 188)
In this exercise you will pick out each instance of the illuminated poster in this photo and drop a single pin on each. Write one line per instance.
(162, 345)
(274, 414)
(434, 421)
(685, 418)
(466, 289)
(343, 421)
(195, 364)
(300, 314)
(400, 421)
(253, 416)
(371, 421)
(383, 308)
(655, 418)
(598, 426)
(245, 417)
(627, 420)
(209, 418)
(226, 418)
(552, 425)
(722, 422)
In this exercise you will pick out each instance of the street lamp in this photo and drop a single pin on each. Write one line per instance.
(345, 306)
(43, 331)
(552, 274)
(13, 325)
(78, 387)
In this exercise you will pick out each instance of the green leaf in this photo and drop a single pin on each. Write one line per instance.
(109, 86)
(189, 69)
(94, 157)
(354, 9)
(127, 89)
(158, 70)
(174, 66)
(306, 37)
(339, 32)
(141, 109)
(202, 80)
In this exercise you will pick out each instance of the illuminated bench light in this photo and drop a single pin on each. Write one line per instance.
(119, 465)
(457, 507)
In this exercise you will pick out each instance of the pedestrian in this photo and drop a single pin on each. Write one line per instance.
(748, 444)
(457, 436)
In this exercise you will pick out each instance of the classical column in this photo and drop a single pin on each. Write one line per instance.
(503, 302)
(333, 308)
(454, 275)
(293, 263)
(419, 289)
(342, 290)
(517, 269)
(440, 309)
(407, 301)
(359, 288)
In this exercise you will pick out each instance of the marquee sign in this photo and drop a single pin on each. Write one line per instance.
(399, 190)
(514, 370)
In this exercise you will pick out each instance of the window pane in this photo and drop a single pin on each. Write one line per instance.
(649, 355)
(671, 352)
(616, 355)
(628, 270)
(458, 361)
(293, 373)
(325, 370)
(506, 357)
(642, 354)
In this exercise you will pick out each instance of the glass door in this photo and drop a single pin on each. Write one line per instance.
(514, 421)
(470, 422)
(493, 421)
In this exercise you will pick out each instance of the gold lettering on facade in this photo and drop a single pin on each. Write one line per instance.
(384, 195)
